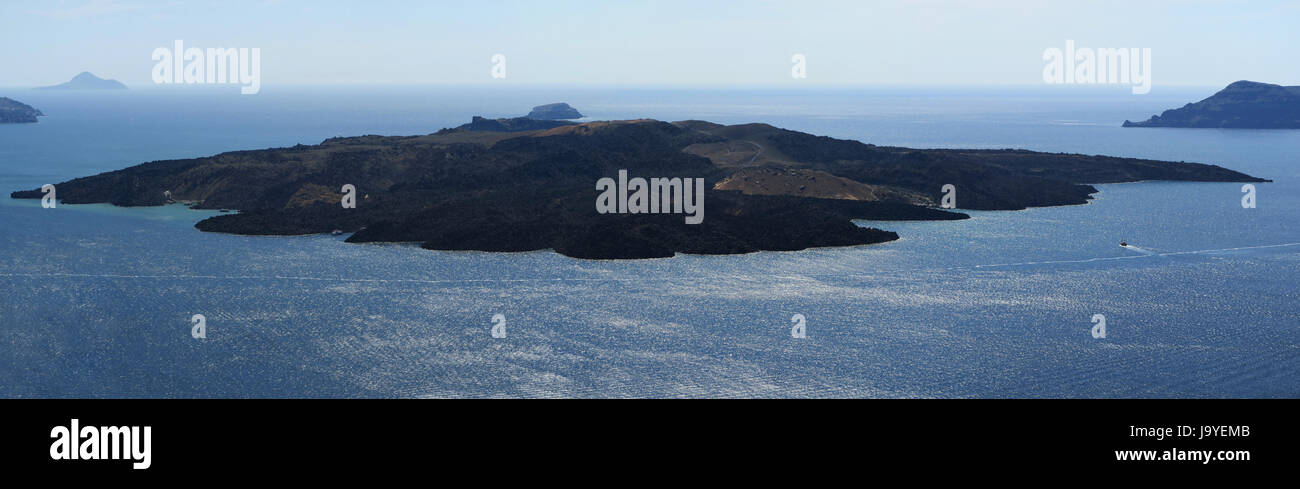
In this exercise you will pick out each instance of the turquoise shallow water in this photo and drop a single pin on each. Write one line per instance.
(97, 300)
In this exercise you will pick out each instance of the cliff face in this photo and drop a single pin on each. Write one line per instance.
(465, 189)
(15, 112)
(1243, 105)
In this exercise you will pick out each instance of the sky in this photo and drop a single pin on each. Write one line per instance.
(652, 43)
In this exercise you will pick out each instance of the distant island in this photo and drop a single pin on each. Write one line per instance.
(87, 81)
(490, 187)
(558, 111)
(1242, 105)
(15, 112)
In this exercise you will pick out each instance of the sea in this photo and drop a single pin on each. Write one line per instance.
(103, 302)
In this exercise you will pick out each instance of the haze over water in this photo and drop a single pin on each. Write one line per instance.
(96, 300)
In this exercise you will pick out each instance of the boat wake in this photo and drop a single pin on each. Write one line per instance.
(1140, 249)
(1145, 252)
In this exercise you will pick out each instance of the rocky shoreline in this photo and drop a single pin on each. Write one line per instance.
(15, 112)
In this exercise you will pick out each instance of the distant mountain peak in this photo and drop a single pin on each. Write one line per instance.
(88, 81)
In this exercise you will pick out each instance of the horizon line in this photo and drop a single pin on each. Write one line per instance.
(717, 85)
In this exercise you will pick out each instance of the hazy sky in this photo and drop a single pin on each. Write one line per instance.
(695, 42)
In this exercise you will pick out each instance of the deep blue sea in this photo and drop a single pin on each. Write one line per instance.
(96, 301)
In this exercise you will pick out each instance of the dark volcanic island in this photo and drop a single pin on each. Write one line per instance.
(510, 185)
(1242, 105)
